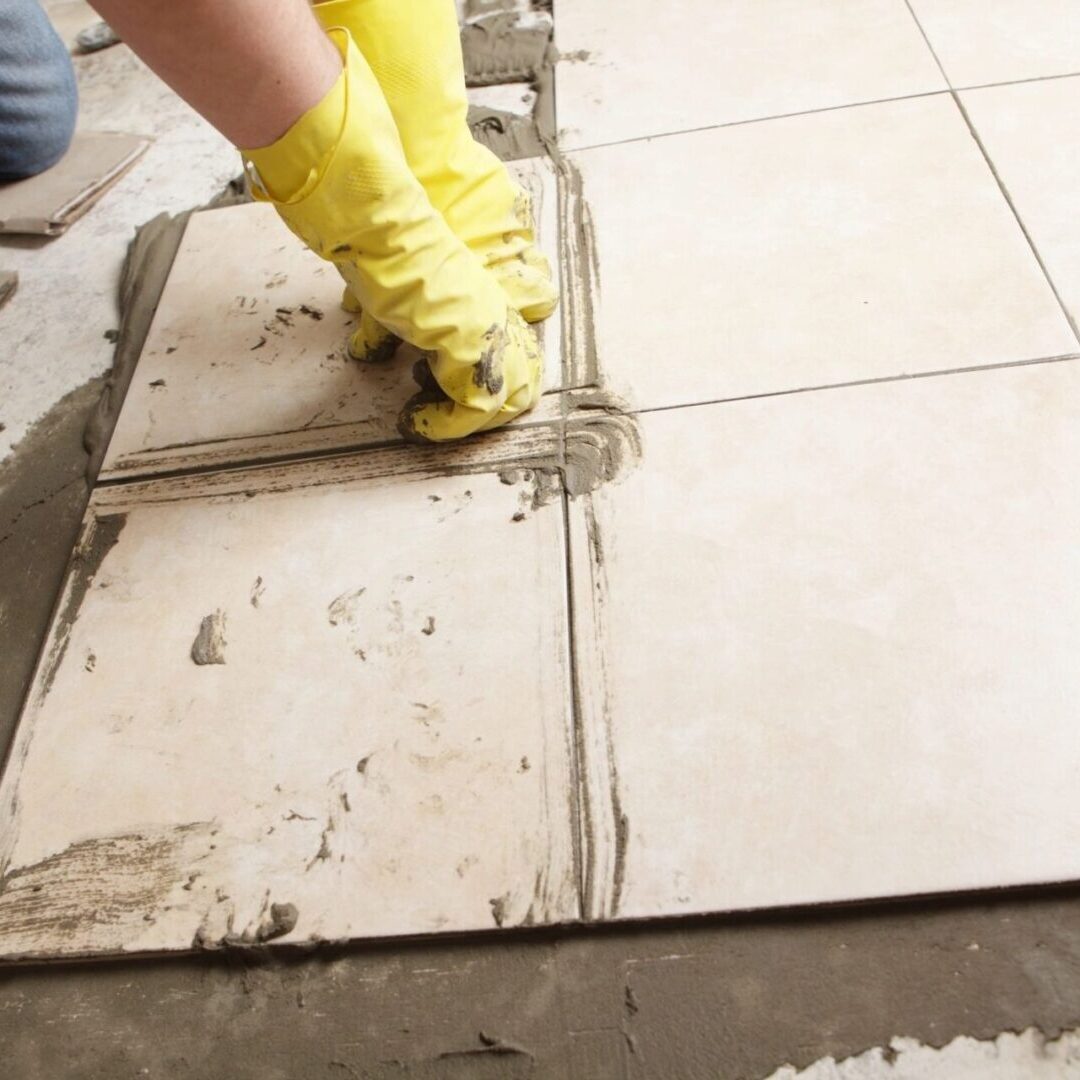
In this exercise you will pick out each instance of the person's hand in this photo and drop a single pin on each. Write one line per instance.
(465, 399)
(362, 208)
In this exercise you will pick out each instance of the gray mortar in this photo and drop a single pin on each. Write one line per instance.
(499, 50)
(496, 50)
(507, 135)
(732, 999)
(209, 644)
(43, 494)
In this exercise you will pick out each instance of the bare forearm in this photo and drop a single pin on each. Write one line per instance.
(250, 67)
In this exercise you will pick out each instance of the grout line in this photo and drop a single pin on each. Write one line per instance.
(1019, 82)
(754, 120)
(950, 89)
(1016, 214)
(580, 811)
(997, 176)
(929, 44)
(907, 377)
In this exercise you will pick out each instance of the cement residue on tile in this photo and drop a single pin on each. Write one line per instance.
(276, 920)
(510, 136)
(599, 449)
(93, 892)
(209, 644)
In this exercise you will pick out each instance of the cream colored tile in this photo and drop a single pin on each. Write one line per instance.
(987, 41)
(697, 63)
(312, 686)
(830, 650)
(1026, 130)
(855, 244)
(246, 356)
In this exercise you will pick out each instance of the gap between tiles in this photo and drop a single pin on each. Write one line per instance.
(658, 136)
(1018, 82)
(642, 410)
(1016, 213)
(955, 93)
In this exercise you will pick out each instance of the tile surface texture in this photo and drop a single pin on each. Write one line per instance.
(247, 358)
(281, 694)
(830, 651)
(1025, 131)
(856, 244)
(991, 41)
(698, 63)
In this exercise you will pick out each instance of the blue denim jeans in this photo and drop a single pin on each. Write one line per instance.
(38, 101)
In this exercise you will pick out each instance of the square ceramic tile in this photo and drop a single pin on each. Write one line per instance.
(856, 244)
(312, 702)
(698, 63)
(989, 41)
(48, 203)
(1024, 129)
(827, 647)
(246, 357)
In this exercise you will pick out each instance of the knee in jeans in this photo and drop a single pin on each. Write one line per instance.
(38, 96)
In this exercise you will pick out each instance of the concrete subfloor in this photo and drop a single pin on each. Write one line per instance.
(719, 998)
(731, 999)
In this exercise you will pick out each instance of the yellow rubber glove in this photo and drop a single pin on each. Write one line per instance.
(414, 49)
(360, 206)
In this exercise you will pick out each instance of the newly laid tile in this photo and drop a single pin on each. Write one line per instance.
(834, 247)
(696, 63)
(316, 702)
(1024, 129)
(827, 647)
(988, 41)
(246, 356)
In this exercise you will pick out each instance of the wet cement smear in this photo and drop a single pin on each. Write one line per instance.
(505, 47)
(95, 895)
(209, 644)
(345, 608)
(599, 449)
(43, 493)
(507, 135)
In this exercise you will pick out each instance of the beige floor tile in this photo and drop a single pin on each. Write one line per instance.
(989, 41)
(830, 651)
(697, 63)
(309, 686)
(1026, 130)
(855, 244)
(246, 357)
